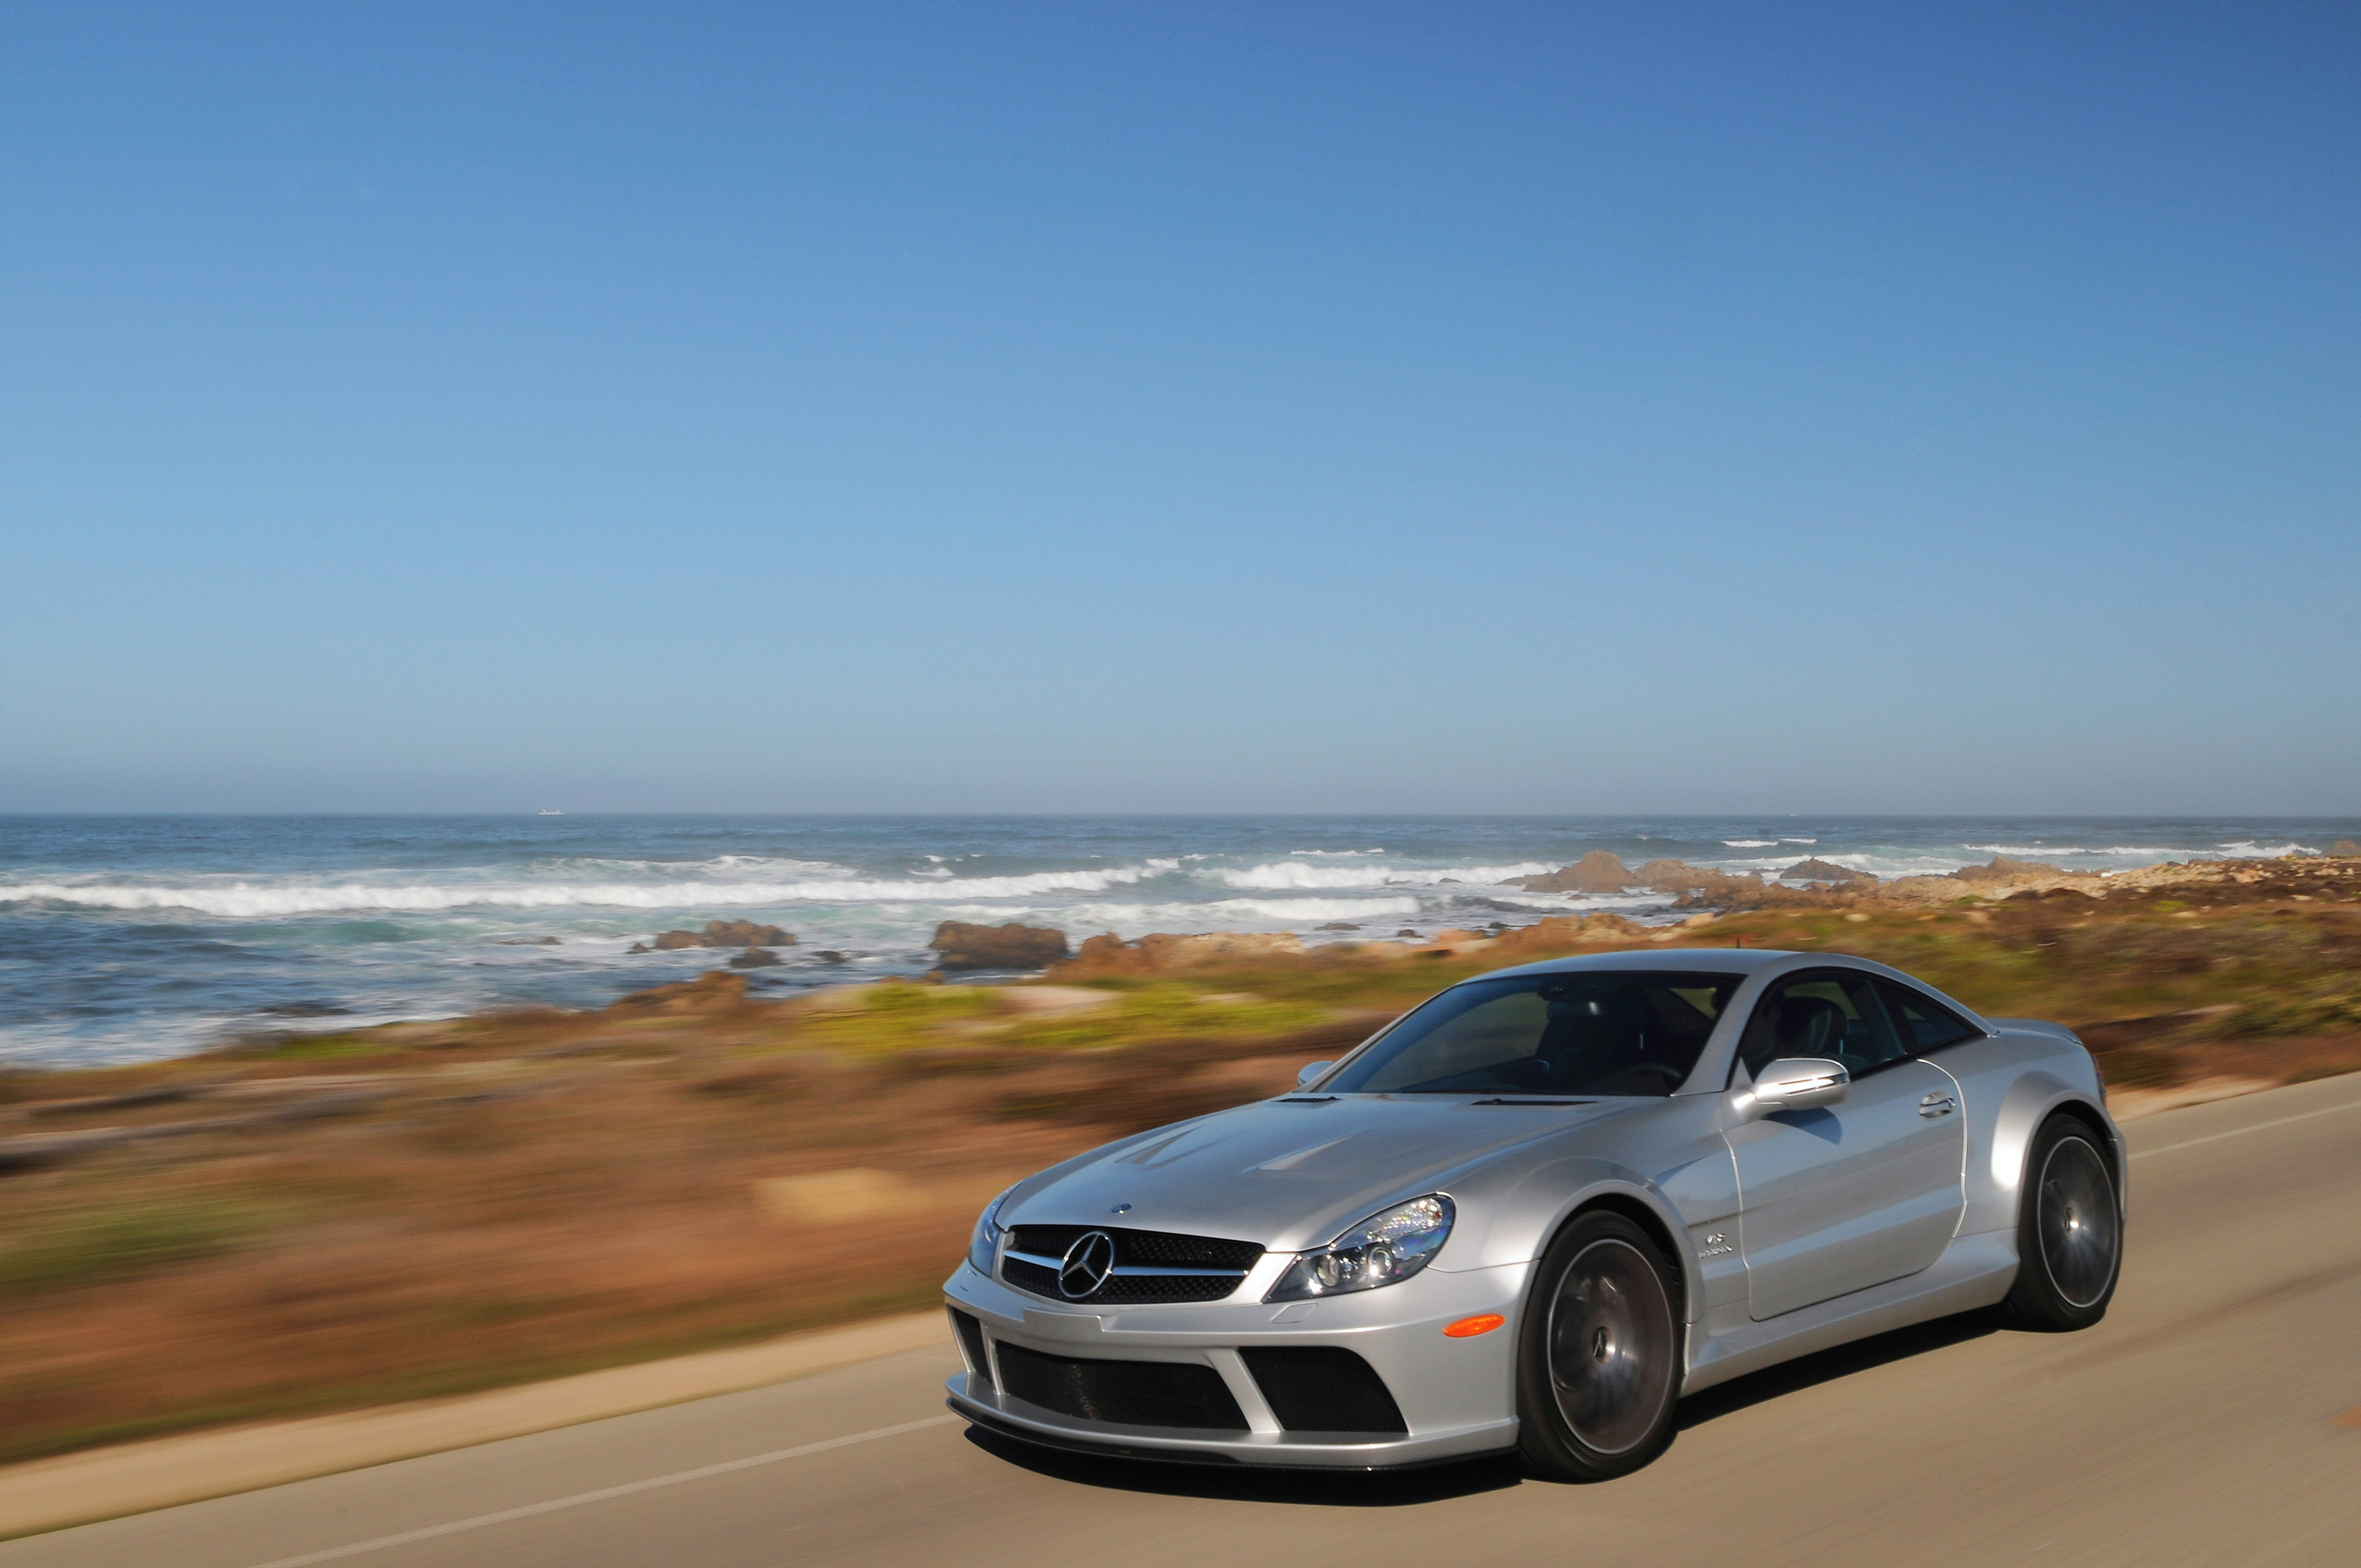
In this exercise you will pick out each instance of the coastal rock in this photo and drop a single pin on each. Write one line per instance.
(1161, 950)
(2003, 869)
(830, 956)
(1680, 877)
(2346, 849)
(754, 958)
(1597, 872)
(1339, 926)
(710, 991)
(1819, 870)
(724, 934)
(1013, 946)
(743, 933)
(1564, 933)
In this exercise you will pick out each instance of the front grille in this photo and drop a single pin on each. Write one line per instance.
(1031, 1277)
(1154, 1248)
(1126, 1393)
(1323, 1388)
(971, 1336)
(1224, 1263)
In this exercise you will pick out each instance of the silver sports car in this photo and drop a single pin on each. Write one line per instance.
(1536, 1209)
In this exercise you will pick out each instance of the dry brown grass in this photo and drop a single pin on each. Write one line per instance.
(499, 1214)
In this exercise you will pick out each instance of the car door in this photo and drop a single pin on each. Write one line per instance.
(1840, 1199)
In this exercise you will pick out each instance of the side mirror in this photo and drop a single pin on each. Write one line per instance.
(1800, 1083)
(1312, 1070)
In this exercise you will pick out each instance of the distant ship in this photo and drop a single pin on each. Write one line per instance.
(550, 811)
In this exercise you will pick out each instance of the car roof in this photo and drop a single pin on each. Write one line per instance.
(1687, 960)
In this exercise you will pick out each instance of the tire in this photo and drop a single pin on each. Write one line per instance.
(1598, 1358)
(2070, 1231)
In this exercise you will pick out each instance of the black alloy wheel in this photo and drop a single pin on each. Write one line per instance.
(1598, 1363)
(2069, 1230)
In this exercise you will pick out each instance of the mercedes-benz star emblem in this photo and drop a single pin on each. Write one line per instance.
(1086, 1265)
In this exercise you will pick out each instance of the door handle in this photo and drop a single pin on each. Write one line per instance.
(1937, 1105)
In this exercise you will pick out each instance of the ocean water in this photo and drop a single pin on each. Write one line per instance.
(124, 939)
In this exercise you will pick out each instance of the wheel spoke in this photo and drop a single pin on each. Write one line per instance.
(1611, 1346)
(2078, 1227)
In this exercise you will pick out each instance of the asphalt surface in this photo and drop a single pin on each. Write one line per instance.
(2214, 1418)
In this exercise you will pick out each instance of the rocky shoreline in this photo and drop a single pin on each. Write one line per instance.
(1811, 885)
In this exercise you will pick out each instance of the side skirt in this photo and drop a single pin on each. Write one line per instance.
(1975, 1271)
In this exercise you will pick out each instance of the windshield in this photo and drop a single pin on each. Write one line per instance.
(1593, 1033)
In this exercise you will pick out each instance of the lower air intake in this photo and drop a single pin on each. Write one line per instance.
(1323, 1388)
(1126, 1393)
(970, 1338)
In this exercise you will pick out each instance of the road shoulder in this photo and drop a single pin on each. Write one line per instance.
(76, 1488)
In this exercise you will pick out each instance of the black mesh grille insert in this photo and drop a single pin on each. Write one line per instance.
(1030, 1276)
(1128, 1393)
(1142, 1290)
(971, 1335)
(1150, 1249)
(1323, 1388)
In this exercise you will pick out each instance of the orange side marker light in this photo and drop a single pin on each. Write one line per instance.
(1468, 1328)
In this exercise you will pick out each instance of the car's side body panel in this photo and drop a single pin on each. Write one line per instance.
(1840, 1198)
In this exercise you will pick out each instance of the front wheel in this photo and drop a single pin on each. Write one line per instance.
(1598, 1364)
(2070, 1231)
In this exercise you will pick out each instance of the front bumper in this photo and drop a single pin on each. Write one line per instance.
(1456, 1396)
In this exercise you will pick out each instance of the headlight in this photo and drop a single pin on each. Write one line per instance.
(1384, 1249)
(982, 1245)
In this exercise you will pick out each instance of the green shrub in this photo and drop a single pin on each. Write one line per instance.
(109, 1243)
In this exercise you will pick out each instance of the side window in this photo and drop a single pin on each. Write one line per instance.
(1924, 1025)
(1833, 1014)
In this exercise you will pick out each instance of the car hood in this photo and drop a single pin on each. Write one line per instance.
(1287, 1174)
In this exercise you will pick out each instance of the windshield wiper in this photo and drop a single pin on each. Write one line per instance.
(1566, 1100)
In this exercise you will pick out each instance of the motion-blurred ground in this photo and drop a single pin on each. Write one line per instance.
(345, 1219)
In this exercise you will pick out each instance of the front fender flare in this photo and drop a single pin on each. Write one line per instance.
(1529, 1215)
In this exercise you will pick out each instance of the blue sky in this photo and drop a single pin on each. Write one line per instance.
(1115, 407)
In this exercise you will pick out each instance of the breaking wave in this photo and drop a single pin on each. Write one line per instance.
(245, 900)
(1129, 919)
(1283, 874)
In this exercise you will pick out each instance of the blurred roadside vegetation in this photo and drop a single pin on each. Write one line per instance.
(315, 1221)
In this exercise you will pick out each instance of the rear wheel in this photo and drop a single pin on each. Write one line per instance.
(1599, 1361)
(2069, 1229)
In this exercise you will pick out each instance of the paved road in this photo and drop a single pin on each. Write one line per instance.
(2214, 1418)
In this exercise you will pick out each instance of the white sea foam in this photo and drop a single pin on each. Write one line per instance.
(2146, 854)
(2052, 852)
(1750, 843)
(1283, 874)
(734, 867)
(1131, 919)
(251, 900)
